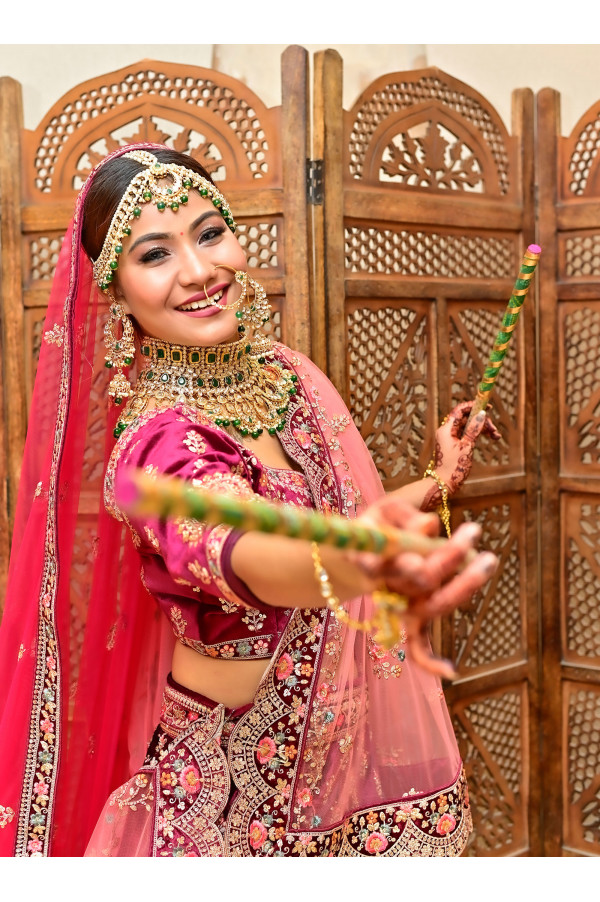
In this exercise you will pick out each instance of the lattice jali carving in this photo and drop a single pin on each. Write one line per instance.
(583, 157)
(401, 251)
(431, 156)
(261, 241)
(489, 733)
(199, 93)
(388, 378)
(154, 130)
(41, 252)
(582, 576)
(388, 99)
(582, 816)
(472, 331)
(581, 343)
(581, 255)
(492, 627)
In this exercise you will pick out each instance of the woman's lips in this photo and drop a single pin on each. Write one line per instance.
(206, 311)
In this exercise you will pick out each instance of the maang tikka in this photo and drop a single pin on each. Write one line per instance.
(120, 350)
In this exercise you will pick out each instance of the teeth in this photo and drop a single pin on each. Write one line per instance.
(200, 305)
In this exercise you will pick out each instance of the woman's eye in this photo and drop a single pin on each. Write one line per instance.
(154, 254)
(212, 232)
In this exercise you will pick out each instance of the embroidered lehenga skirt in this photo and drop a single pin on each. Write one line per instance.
(222, 782)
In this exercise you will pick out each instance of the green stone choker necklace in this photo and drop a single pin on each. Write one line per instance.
(239, 384)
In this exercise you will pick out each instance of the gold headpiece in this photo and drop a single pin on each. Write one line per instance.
(145, 188)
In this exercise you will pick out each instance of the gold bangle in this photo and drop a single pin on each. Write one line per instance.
(326, 591)
(443, 509)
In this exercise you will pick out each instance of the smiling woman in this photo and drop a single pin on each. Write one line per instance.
(217, 703)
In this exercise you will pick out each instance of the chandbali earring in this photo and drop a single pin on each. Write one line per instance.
(120, 350)
(256, 311)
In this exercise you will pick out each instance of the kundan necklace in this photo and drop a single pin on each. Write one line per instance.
(238, 384)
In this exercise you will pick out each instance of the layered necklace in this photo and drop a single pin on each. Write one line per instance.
(239, 384)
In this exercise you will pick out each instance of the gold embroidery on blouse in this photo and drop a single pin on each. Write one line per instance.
(190, 530)
(38, 490)
(178, 621)
(151, 536)
(253, 619)
(224, 482)
(194, 442)
(151, 471)
(21, 652)
(199, 572)
(230, 607)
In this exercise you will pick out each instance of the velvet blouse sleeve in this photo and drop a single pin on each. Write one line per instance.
(193, 553)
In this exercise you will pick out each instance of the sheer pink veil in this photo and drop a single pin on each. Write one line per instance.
(379, 728)
(81, 644)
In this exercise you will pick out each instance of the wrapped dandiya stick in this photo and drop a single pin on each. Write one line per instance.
(508, 325)
(170, 496)
(165, 496)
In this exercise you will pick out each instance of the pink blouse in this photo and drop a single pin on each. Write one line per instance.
(186, 564)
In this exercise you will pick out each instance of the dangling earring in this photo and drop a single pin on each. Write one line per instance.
(121, 351)
(256, 312)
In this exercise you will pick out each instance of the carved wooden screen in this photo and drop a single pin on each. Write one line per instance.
(428, 204)
(216, 118)
(568, 171)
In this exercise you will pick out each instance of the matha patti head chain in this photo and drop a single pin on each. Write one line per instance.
(166, 185)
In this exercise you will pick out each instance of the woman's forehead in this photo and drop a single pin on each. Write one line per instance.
(153, 220)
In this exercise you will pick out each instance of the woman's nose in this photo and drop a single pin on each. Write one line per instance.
(194, 267)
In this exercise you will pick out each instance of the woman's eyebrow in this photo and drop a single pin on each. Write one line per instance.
(165, 236)
(151, 236)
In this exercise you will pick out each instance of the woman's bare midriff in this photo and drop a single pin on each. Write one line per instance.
(232, 683)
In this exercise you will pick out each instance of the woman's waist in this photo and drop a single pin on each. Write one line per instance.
(232, 682)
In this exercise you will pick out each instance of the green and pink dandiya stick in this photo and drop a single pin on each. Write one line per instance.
(508, 325)
(164, 496)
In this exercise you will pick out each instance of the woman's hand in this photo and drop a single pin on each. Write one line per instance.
(454, 446)
(434, 585)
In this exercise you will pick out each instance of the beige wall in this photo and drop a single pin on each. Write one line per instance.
(47, 71)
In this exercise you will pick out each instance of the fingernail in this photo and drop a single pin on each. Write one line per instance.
(471, 531)
(488, 563)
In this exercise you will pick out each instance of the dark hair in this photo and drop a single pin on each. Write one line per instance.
(109, 186)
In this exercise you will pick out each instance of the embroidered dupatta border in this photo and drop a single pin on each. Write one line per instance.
(44, 744)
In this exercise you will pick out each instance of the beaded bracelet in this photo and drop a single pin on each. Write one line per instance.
(326, 591)
(443, 510)
(388, 605)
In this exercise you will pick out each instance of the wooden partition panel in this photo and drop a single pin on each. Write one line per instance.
(428, 202)
(206, 113)
(568, 172)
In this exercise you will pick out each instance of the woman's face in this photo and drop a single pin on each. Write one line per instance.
(168, 261)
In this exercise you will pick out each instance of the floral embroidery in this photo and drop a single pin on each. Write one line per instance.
(194, 441)
(230, 607)
(6, 815)
(178, 621)
(190, 530)
(151, 537)
(254, 619)
(384, 661)
(55, 336)
(224, 483)
(199, 572)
